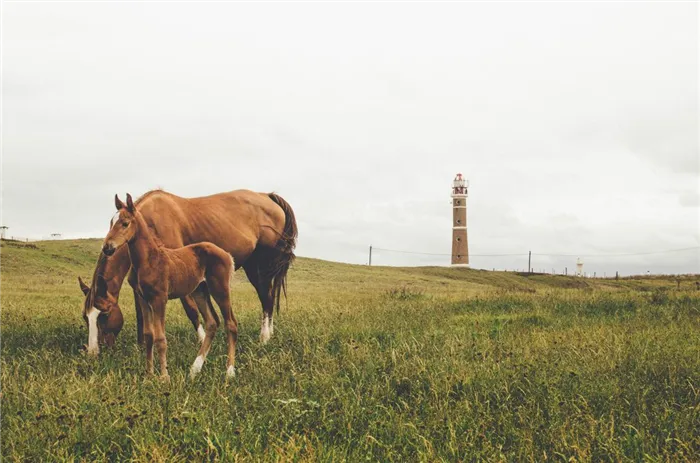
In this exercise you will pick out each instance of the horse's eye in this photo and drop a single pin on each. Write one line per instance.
(125, 224)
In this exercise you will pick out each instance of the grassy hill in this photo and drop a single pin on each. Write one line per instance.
(366, 363)
(66, 259)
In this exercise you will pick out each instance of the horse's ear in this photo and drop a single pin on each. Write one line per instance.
(84, 288)
(101, 285)
(118, 202)
(129, 203)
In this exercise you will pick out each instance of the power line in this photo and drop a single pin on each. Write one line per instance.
(540, 254)
(620, 255)
(438, 254)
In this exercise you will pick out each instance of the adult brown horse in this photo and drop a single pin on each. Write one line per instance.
(258, 229)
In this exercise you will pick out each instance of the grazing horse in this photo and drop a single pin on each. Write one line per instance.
(163, 274)
(259, 230)
(110, 321)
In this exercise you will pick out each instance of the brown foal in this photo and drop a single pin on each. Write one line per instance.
(164, 274)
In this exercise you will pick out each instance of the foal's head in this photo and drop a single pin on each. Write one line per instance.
(124, 226)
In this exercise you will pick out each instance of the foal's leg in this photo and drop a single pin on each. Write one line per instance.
(148, 332)
(159, 335)
(192, 312)
(223, 300)
(211, 323)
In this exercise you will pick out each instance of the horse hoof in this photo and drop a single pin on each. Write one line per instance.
(196, 366)
(165, 378)
(231, 372)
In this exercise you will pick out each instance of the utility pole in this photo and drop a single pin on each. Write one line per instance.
(529, 259)
(370, 255)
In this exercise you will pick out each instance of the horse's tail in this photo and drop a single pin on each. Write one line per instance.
(285, 247)
(232, 273)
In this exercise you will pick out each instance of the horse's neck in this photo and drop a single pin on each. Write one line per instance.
(143, 246)
(114, 270)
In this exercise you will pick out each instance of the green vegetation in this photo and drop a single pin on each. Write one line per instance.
(366, 364)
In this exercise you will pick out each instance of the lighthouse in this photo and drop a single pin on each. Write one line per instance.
(579, 267)
(460, 248)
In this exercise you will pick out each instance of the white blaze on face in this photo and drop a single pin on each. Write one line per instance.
(197, 366)
(114, 218)
(93, 346)
(265, 330)
(200, 333)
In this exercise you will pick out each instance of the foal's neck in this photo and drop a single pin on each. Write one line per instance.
(143, 245)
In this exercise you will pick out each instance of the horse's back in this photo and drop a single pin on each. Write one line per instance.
(237, 221)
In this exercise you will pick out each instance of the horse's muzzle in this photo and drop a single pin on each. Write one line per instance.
(108, 249)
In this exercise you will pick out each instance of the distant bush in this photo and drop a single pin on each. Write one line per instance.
(19, 244)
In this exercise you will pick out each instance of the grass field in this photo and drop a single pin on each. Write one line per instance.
(366, 364)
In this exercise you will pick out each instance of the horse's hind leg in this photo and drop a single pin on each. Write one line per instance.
(263, 286)
(191, 309)
(211, 323)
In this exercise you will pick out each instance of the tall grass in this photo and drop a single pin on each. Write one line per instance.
(373, 364)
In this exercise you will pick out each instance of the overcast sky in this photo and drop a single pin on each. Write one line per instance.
(576, 124)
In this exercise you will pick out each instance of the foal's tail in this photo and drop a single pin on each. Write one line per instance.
(285, 247)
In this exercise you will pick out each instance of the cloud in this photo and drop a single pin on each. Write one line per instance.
(576, 123)
(690, 199)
